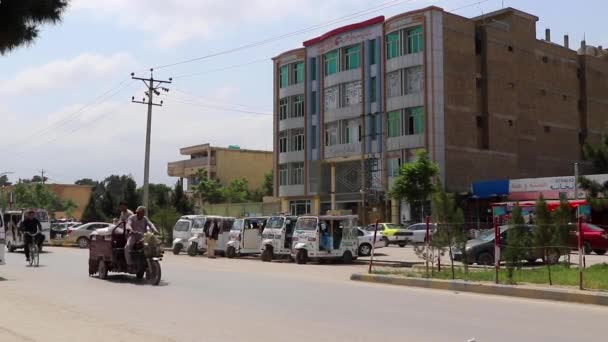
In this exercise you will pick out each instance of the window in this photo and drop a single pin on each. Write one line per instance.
(372, 91)
(394, 124)
(414, 80)
(300, 208)
(393, 84)
(331, 135)
(372, 52)
(351, 93)
(331, 97)
(313, 102)
(372, 128)
(298, 106)
(331, 62)
(297, 173)
(313, 137)
(416, 120)
(393, 167)
(415, 41)
(345, 132)
(313, 68)
(392, 45)
(283, 172)
(352, 57)
(298, 72)
(284, 76)
(283, 109)
(297, 140)
(360, 133)
(283, 142)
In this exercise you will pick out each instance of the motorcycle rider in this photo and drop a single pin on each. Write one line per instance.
(137, 225)
(31, 228)
(125, 213)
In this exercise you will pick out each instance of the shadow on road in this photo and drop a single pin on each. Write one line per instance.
(129, 279)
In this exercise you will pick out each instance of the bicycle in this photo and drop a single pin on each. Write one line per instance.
(34, 251)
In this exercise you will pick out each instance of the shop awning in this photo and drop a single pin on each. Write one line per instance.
(489, 189)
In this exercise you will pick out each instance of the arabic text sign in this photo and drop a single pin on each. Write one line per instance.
(561, 184)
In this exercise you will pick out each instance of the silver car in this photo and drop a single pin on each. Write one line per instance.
(80, 234)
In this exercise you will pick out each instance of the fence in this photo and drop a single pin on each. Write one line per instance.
(242, 209)
(550, 254)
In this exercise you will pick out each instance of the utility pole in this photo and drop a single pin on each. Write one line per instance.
(42, 175)
(153, 88)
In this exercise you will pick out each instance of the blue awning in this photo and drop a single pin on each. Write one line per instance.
(489, 189)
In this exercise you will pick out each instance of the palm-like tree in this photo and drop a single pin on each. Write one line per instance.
(20, 20)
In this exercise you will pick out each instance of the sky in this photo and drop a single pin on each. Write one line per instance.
(65, 101)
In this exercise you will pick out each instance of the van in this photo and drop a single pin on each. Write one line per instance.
(14, 217)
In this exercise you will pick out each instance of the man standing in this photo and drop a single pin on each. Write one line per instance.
(31, 228)
(137, 226)
(212, 233)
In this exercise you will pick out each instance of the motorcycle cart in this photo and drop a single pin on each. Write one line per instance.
(107, 254)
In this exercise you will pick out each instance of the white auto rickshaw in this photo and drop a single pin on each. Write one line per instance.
(14, 237)
(197, 244)
(2, 239)
(182, 231)
(277, 237)
(327, 237)
(245, 236)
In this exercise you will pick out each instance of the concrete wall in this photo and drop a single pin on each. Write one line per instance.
(231, 164)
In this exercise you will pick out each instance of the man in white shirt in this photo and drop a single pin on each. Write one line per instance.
(137, 226)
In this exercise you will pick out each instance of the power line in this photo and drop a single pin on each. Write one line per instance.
(195, 97)
(195, 103)
(222, 69)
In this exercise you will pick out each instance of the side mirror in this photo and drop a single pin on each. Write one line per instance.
(288, 222)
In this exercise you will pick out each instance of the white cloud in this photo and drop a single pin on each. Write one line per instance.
(66, 73)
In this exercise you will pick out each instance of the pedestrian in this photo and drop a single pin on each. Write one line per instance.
(212, 232)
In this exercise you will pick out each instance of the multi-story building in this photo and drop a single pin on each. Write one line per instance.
(223, 164)
(482, 95)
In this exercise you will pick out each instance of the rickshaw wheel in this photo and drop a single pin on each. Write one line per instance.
(177, 249)
(193, 249)
(153, 273)
(347, 257)
(301, 257)
(230, 252)
(267, 255)
(102, 270)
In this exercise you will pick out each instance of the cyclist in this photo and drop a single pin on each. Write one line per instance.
(31, 228)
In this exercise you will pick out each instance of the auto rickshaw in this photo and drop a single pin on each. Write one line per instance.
(277, 236)
(197, 244)
(107, 254)
(328, 237)
(183, 231)
(245, 236)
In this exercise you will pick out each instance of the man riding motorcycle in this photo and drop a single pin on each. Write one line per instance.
(137, 226)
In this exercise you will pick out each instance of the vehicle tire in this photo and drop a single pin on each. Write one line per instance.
(587, 247)
(11, 248)
(230, 252)
(347, 257)
(386, 241)
(600, 251)
(553, 257)
(102, 270)
(301, 257)
(485, 259)
(365, 249)
(531, 261)
(153, 273)
(139, 275)
(177, 249)
(266, 255)
(40, 247)
(193, 249)
(402, 244)
(82, 242)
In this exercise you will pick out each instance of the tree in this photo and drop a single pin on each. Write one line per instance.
(598, 155)
(415, 181)
(237, 191)
(517, 240)
(129, 194)
(86, 181)
(4, 181)
(256, 195)
(180, 201)
(268, 184)
(543, 233)
(108, 205)
(207, 190)
(451, 232)
(20, 20)
(92, 212)
(165, 219)
(69, 207)
(29, 195)
(39, 179)
(562, 217)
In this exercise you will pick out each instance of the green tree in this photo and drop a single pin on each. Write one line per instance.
(517, 241)
(4, 181)
(237, 191)
(598, 155)
(160, 195)
(92, 212)
(256, 195)
(207, 190)
(108, 205)
(86, 181)
(20, 20)
(69, 207)
(129, 194)
(268, 184)
(451, 232)
(543, 233)
(165, 219)
(30, 195)
(180, 201)
(562, 217)
(415, 182)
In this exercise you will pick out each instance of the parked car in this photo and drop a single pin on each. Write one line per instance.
(60, 230)
(595, 239)
(392, 233)
(481, 249)
(80, 234)
(419, 232)
(366, 240)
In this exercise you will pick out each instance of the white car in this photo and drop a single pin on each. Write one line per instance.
(366, 240)
(419, 232)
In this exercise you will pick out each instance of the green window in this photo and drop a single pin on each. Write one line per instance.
(394, 164)
(392, 45)
(352, 57)
(298, 72)
(416, 120)
(373, 91)
(331, 62)
(415, 41)
(313, 69)
(284, 76)
(372, 52)
(372, 128)
(394, 124)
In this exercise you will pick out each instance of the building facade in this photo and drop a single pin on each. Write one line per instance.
(222, 164)
(483, 96)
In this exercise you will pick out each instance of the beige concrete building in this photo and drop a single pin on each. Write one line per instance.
(79, 194)
(223, 164)
(484, 96)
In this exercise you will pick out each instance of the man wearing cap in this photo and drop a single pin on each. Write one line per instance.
(137, 225)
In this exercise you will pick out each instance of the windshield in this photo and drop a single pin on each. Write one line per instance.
(238, 225)
(487, 235)
(198, 222)
(42, 216)
(393, 226)
(275, 222)
(306, 224)
(594, 228)
(182, 226)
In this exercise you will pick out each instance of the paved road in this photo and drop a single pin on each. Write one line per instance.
(247, 300)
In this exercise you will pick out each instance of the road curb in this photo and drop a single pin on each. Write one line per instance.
(558, 294)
